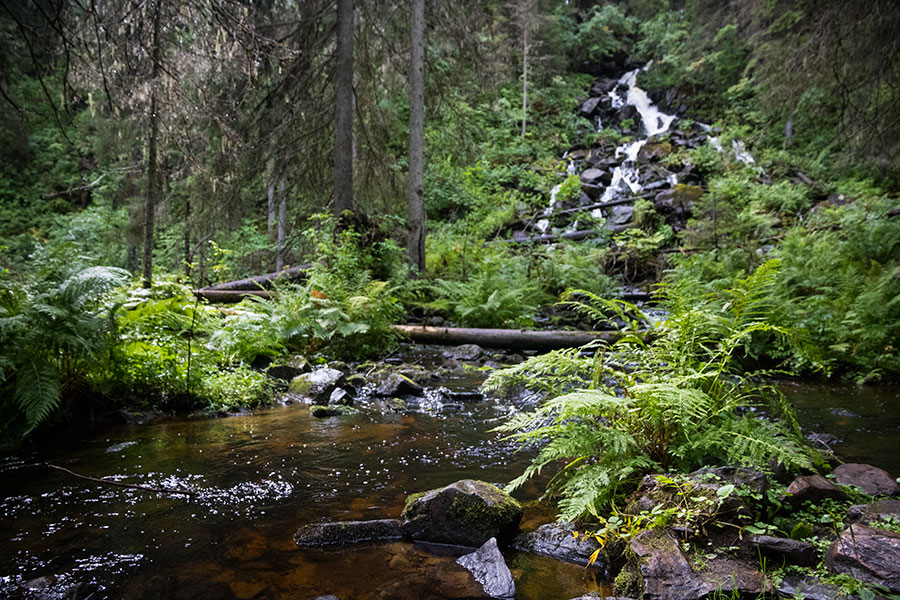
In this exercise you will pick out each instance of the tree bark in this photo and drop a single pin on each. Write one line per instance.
(504, 338)
(526, 5)
(343, 113)
(282, 217)
(270, 196)
(230, 296)
(415, 245)
(152, 174)
(262, 281)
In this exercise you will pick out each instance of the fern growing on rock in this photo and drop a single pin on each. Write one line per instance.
(674, 402)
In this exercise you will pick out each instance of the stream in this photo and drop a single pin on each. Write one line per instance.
(258, 477)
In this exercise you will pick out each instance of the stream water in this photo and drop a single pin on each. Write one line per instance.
(257, 477)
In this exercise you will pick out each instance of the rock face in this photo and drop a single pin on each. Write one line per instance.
(556, 540)
(813, 488)
(871, 480)
(317, 385)
(660, 571)
(489, 569)
(465, 513)
(870, 555)
(348, 532)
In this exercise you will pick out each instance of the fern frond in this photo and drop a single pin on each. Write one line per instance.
(36, 392)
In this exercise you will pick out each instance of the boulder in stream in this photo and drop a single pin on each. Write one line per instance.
(465, 513)
(396, 384)
(317, 385)
(489, 569)
(321, 411)
(465, 352)
(558, 540)
(348, 532)
(871, 480)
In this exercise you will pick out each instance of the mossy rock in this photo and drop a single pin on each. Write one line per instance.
(465, 513)
(335, 410)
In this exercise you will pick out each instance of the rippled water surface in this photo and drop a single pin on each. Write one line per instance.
(256, 478)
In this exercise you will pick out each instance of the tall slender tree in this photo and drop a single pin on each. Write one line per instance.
(343, 113)
(153, 133)
(415, 246)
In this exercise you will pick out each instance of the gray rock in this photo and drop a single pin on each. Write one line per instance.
(589, 107)
(348, 532)
(620, 215)
(813, 488)
(296, 365)
(594, 176)
(871, 480)
(867, 514)
(667, 574)
(808, 588)
(340, 396)
(556, 540)
(465, 513)
(785, 550)
(870, 555)
(317, 385)
(321, 411)
(465, 352)
(489, 569)
(395, 384)
(325, 598)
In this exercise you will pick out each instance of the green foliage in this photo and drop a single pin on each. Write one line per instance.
(681, 402)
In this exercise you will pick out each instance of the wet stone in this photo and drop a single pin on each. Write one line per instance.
(340, 396)
(808, 588)
(317, 385)
(557, 540)
(871, 480)
(465, 352)
(395, 384)
(321, 411)
(348, 532)
(871, 514)
(489, 569)
(785, 549)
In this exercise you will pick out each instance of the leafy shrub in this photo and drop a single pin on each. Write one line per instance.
(681, 402)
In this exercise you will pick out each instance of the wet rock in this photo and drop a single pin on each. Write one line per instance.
(602, 86)
(317, 385)
(136, 417)
(395, 384)
(870, 555)
(465, 352)
(619, 215)
(595, 176)
(662, 571)
(489, 569)
(870, 514)
(348, 532)
(808, 588)
(465, 513)
(785, 550)
(556, 540)
(653, 151)
(321, 411)
(589, 107)
(340, 396)
(296, 365)
(356, 381)
(329, 597)
(813, 488)
(871, 480)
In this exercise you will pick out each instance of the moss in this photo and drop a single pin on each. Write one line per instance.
(410, 500)
(471, 511)
(335, 410)
(629, 582)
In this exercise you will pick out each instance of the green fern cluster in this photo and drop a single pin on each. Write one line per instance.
(673, 400)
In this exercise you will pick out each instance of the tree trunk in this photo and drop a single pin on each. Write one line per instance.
(524, 16)
(415, 246)
(152, 175)
(187, 236)
(282, 217)
(270, 195)
(343, 113)
(230, 296)
(263, 281)
(516, 339)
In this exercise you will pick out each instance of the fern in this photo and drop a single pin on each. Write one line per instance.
(681, 402)
(37, 392)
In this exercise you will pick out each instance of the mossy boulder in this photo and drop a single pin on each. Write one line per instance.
(336, 410)
(317, 385)
(465, 513)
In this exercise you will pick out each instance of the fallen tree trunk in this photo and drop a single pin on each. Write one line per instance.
(263, 281)
(568, 235)
(230, 296)
(513, 339)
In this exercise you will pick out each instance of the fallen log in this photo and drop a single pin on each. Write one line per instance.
(263, 281)
(133, 486)
(512, 339)
(568, 235)
(230, 296)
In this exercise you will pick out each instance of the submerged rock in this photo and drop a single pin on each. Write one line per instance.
(870, 555)
(348, 532)
(871, 480)
(317, 385)
(489, 569)
(557, 540)
(465, 513)
(321, 411)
